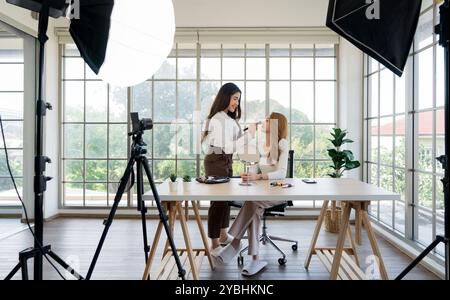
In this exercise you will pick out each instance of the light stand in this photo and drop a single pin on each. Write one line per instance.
(443, 30)
(138, 151)
(40, 180)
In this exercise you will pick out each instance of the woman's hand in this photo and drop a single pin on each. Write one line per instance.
(249, 176)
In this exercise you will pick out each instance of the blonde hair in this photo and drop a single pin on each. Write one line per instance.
(278, 131)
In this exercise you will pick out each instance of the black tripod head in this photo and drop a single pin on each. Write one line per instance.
(138, 128)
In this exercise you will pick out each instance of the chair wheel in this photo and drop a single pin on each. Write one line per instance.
(282, 261)
(294, 247)
(240, 260)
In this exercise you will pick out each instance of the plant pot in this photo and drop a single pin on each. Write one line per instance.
(186, 186)
(173, 186)
(332, 220)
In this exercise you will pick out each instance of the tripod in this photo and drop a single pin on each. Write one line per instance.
(40, 180)
(138, 152)
(443, 30)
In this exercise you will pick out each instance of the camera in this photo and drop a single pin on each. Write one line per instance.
(139, 126)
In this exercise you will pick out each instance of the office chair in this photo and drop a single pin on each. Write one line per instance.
(274, 211)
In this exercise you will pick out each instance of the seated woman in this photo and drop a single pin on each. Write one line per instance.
(272, 166)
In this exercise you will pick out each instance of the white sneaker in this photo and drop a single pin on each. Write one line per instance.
(216, 251)
(227, 241)
(228, 253)
(253, 267)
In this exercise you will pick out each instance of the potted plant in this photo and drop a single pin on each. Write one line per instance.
(173, 184)
(186, 182)
(343, 160)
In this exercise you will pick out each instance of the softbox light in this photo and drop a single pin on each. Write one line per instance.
(384, 29)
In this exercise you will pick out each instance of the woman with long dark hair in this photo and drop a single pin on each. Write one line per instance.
(222, 137)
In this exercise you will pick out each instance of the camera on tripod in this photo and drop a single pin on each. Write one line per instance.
(139, 126)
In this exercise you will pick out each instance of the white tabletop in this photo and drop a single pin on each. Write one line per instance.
(342, 189)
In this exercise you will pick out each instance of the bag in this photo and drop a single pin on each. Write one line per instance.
(213, 179)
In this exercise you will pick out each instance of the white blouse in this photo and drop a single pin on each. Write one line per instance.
(224, 133)
(275, 171)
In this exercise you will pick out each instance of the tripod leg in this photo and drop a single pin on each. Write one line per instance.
(24, 268)
(163, 218)
(108, 222)
(63, 264)
(172, 217)
(13, 271)
(141, 205)
(418, 259)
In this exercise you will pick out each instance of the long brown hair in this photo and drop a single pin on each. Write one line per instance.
(279, 132)
(221, 102)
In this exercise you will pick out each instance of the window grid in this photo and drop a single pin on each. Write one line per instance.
(172, 159)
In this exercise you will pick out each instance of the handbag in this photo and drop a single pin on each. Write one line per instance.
(213, 179)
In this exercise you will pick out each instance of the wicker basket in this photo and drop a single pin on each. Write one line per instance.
(332, 219)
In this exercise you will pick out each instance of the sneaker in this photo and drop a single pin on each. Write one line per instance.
(227, 241)
(216, 251)
(228, 253)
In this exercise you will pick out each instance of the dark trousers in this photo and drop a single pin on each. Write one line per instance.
(219, 211)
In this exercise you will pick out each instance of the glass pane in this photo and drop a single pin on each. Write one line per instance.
(187, 50)
(208, 92)
(302, 141)
(400, 94)
(280, 97)
(96, 194)
(96, 170)
(400, 216)
(255, 108)
(163, 169)
(210, 68)
(73, 68)
(303, 169)
(187, 97)
(373, 65)
(425, 78)
(325, 50)
(187, 68)
(90, 74)
(118, 136)
(11, 105)
(440, 138)
(386, 212)
(233, 68)
(13, 134)
(400, 143)
(73, 101)
(210, 50)
(73, 194)
(256, 50)
(303, 102)
(325, 68)
(424, 32)
(425, 158)
(440, 208)
(386, 140)
(386, 92)
(279, 68)
(73, 170)
(425, 191)
(373, 125)
(425, 234)
(233, 50)
(116, 169)
(165, 107)
(73, 141)
(96, 101)
(112, 190)
(322, 142)
(279, 50)
(96, 141)
(373, 174)
(185, 141)
(15, 162)
(322, 169)
(302, 68)
(118, 104)
(400, 183)
(325, 102)
(256, 68)
(186, 167)
(440, 79)
(164, 141)
(142, 99)
(12, 55)
(302, 50)
(167, 70)
(373, 95)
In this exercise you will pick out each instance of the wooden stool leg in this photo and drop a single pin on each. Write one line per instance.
(353, 245)
(186, 210)
(152, 251)
(316, 234)
(202, 234)
(374, 244)
(340, 243)
(187, 241)
(172, 217)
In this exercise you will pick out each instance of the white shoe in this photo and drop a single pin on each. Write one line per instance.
(253, 267)
(228, 253)
(216, 251)
(227, 241)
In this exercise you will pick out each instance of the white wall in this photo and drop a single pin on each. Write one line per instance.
(351, 99)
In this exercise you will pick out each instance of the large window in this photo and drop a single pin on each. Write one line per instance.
(404, 124)
(296, 80)
(11, 110)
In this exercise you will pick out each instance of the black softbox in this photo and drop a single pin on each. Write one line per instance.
(384, 29)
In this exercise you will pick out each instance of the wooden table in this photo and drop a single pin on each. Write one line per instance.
(352, 193)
